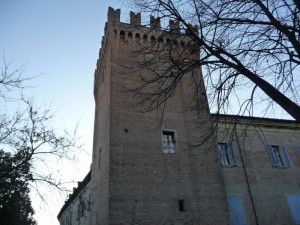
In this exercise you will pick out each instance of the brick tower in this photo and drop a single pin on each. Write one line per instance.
(144, 170)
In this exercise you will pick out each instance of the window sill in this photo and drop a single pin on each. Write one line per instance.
(281, 167)
(229, 166)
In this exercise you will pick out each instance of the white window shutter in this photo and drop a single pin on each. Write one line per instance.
(236, 210)
(232, 155)
(171, 145)
(165, 144)
(284, 155)
(298, 151)
(294, 203)
(272, 156)
(221, 155)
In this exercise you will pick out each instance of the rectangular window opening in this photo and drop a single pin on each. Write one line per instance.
(181, 205)
(236, 210)
(168, 141)
(279, 156)
(224, 150)
(226, 154)
(99, 158)
(294, 203)
(78, 211)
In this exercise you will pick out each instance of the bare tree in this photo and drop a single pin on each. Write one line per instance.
(27, 142)
(246, 48)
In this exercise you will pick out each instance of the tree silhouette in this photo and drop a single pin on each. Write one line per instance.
(27, 141)
(15, 204)
(246, 48)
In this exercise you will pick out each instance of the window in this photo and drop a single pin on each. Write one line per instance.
(99, 159)
(294, 203)
(89, 203)
(82, 208)
(70, 218)
(122, 35)
(78, 211)
(298, 151)
(236, 210)
(145, 37)
(278, 156)
(226, 155)
(152, 39)
(137, 37)
(181, 205)
(168, 140)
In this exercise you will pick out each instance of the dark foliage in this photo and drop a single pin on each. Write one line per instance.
(15, 204)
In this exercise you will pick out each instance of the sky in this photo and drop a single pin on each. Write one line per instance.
(59, 41)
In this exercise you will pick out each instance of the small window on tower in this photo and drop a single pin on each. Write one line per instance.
(181, 205)
(168, 141)
(78, 211)
(122, 34)
(137, 37)
(99, 159)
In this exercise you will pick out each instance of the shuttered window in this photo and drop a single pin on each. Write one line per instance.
(226, 154)
(298, 151)
(70, 216)
(78, 211)
(168, 141)
(294, 204)
(279, 156)
(236, 210)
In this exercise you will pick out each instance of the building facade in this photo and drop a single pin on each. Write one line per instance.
(142, 171)
(149, 168)
(76, 210)
(260, 163)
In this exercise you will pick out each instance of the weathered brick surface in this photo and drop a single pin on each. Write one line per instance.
(268, 185)
(136, 183)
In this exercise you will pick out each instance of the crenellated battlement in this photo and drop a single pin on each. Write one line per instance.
(135, 19)
(155, 22)
(152, 33)
(113, 17)
(135, 36)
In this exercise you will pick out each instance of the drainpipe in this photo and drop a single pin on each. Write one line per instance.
(247, 179)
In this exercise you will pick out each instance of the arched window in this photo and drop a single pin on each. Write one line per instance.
(152, 39)
(168, 42)
(137, 37)
(175, 44)
(182, 44)
(122, 34)
(145, 37)
(160, 41)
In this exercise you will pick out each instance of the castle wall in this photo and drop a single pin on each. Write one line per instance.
(102, 126)
(269, 186)
(76, 209)
(137, 183)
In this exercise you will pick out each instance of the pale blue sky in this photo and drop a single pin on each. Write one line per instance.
(61, 41)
